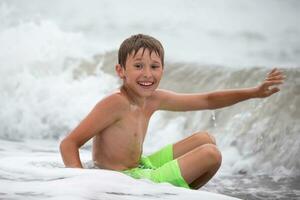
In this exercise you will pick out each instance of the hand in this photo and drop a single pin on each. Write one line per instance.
(275, 77)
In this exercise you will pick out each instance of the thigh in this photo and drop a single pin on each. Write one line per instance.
(170, 173)
(199, 161)
(188, 144)
(161, 157)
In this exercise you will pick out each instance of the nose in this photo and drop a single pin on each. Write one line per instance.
(147, 72)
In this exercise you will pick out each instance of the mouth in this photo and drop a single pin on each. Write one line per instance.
(145, 84)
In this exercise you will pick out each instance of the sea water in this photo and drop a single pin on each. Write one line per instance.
(57, 61)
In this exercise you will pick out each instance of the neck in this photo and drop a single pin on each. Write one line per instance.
(133, 97)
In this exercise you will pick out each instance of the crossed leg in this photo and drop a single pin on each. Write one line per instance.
(198, 158)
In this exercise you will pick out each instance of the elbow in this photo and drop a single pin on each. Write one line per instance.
(210, 103)
(66, 144)
(63, 146)
(63, 150)
(69, 153)
(213, 102)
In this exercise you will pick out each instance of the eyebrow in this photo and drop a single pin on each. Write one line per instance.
(154, 61)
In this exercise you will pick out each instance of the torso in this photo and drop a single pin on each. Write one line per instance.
(119, 146)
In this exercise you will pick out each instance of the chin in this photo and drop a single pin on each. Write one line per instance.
(146, 93)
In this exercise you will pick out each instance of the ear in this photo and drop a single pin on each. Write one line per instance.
(120, 71)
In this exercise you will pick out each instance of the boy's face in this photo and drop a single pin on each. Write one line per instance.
(142, 72)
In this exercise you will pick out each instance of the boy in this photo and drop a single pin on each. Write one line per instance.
(118, 123)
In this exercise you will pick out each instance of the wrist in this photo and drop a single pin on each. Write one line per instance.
(253, 92)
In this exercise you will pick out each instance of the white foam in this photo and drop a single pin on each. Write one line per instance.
(37, 174)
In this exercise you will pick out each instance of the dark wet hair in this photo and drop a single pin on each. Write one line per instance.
(136, 42)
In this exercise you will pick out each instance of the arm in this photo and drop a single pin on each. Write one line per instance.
(103, 114)
(218, 99)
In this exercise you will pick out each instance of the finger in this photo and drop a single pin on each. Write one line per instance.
(275, 73)
(273, 70)
(278, 76)
(270, 83)
(274, 90)
(275, 78)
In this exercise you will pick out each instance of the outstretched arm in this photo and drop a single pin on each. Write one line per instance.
(218, 99)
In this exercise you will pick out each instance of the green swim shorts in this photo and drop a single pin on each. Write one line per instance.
(159, 167)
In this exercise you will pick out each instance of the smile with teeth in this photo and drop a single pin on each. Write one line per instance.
(145, 83)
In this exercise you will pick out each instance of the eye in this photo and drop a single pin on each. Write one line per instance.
(138, 65)
(155, 66)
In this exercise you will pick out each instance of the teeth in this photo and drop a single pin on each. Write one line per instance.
(145, 83)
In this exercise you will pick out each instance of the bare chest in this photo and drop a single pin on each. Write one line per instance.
(135, 125)
(129, 132)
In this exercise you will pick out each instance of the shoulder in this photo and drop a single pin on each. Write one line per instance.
(113, 102)
(161, 94)
(116, 98)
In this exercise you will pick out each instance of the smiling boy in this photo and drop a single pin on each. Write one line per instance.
(118, 123)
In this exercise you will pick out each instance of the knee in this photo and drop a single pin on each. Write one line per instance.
(209, 139)
(213, 154)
